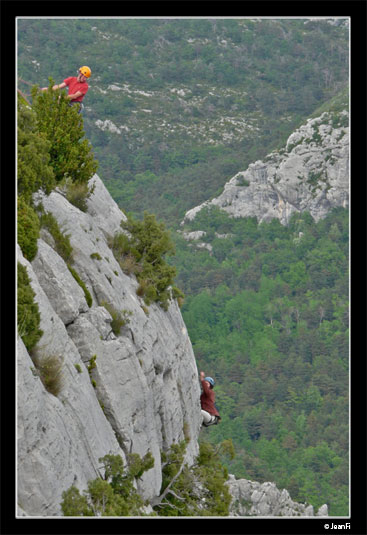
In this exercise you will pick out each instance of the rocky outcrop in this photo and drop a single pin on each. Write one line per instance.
(143, 393)
(250, 498)
(310, 174)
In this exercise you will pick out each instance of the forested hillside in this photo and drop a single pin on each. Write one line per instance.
(267, 313)
(175, 109)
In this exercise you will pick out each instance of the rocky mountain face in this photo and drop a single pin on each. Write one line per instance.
(146, 389)
(133, 392)
(310, 174)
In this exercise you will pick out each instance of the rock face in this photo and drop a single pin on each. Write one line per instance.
(146, 392)
(310, 174)
(250, 498)
(143, 393)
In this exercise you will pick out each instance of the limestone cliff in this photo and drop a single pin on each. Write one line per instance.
(311, 173)
(143, 393)
(146, 392)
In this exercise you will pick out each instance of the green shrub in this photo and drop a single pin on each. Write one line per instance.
(179, 295)
(129, 265)
(62, 241)
(119, 319)
(112, 495)
(120, 244)
(50, 371)
(74, 504)
(28, 316)
(78, 368)
(70, 153)
(77, 193)
(149, 240)
(208, 477)
(199, 490)
(186, 431)
(143, 252)
(145, 310)
(52, 149)
(142, 288)
(92, 364)
(28, 229)
(33, 165)
(87, 294)
(243, 182)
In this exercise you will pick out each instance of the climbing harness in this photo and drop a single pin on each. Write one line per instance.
(81, 105)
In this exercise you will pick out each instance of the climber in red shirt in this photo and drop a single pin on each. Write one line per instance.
(209, 411)
(77, 85)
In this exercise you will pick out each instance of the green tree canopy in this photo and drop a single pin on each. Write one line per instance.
(34, 170)
(70, 152)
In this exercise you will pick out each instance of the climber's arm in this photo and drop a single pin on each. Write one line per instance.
(74, 95)
(57, 86)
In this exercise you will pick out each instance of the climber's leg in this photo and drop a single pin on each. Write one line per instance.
(207, 418)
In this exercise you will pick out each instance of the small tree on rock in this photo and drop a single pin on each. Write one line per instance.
(70, 152)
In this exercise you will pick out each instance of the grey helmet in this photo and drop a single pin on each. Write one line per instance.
(210, 380)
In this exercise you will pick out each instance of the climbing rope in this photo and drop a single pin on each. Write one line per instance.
(21, 93)
(24, 95)
(24, 82)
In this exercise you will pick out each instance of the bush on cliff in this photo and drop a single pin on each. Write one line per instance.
(28, 229)
(28, 316)
(112, 495)
(70, 152)
(142, 252)
(51, 150)
(50, 371)
(34, 170)
(199, 490)
(62, 243)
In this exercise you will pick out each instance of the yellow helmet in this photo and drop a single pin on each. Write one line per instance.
(86, 71)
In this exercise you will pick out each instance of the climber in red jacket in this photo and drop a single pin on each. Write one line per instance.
(77, 86)
(209, 411)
